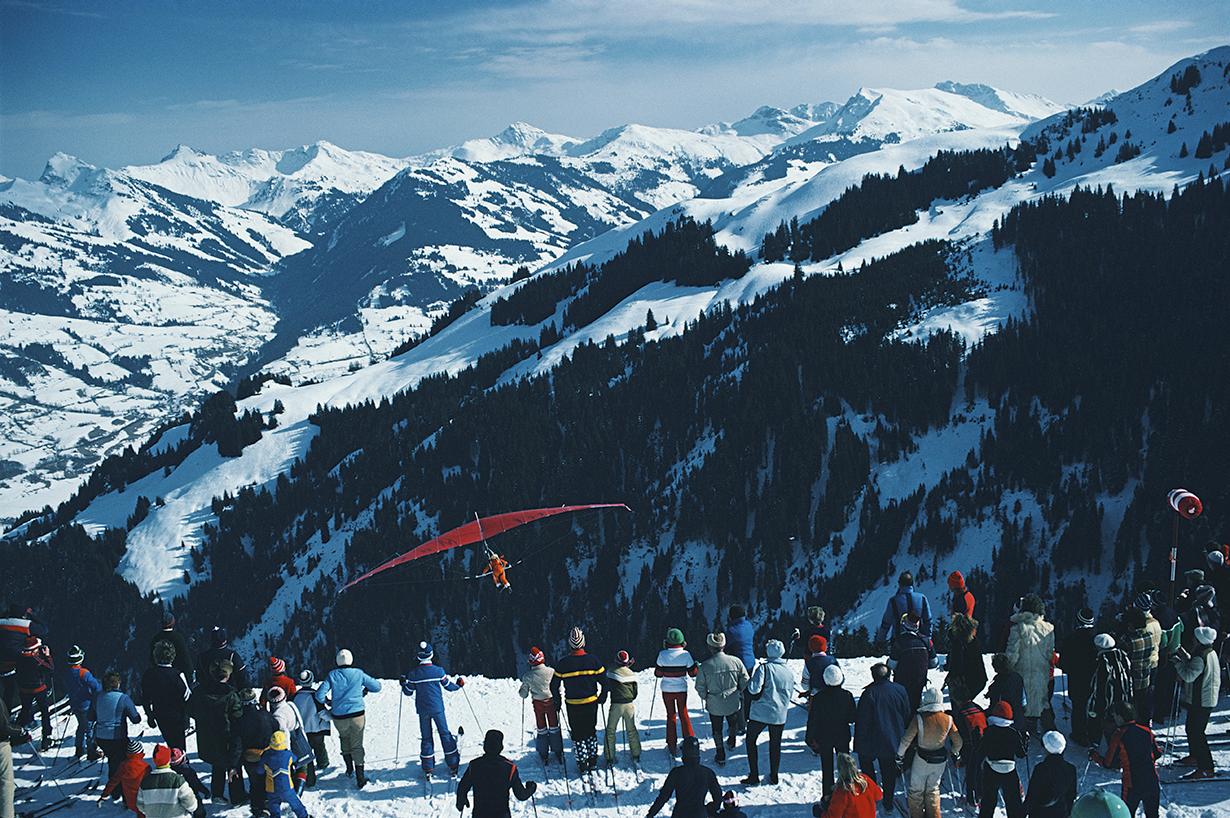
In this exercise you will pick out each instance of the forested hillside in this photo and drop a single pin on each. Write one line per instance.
(763, 438)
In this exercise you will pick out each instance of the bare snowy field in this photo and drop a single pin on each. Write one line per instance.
(398, 789)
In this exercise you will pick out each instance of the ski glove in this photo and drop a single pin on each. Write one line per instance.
(463, 801)
(153, 724)
(461, 682)
(531, 787)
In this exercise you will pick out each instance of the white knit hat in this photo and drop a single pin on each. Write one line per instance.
(1054, 742)
(716, 640)
(344, 658)
(833, 677)
(1206, 635)
(1104, 641)
(932, 700)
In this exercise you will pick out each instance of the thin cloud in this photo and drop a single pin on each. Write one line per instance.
(1161, 27)
(47, 8)
(45, 119)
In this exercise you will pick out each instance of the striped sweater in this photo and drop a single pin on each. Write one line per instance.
(165, 794)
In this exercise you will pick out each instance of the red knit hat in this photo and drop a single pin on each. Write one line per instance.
(277, 665)
(817, 644)
(536, 656)
(162, 756)
(1001, 710)
(623, 658)
(955, 581)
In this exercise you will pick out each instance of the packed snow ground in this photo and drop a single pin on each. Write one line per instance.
(398, 788)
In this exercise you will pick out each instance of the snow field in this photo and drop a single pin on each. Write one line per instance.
(485, 704)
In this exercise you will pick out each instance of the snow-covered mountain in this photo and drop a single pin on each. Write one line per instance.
(755, 204)
(306, 188)
(121, 302)
(776, 122)
(518, 139)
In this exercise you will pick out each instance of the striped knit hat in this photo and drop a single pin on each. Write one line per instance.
(277, 665)
(306, 677)
(1143, 601)
(624, 659)
(1084, 617)
(576, 639)
(275, 694)
(536, 656)
(135, 747)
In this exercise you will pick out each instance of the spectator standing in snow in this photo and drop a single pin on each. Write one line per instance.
(1031, 648)
(673, 667)
(492, 777)
(536, 685)
(720, 685)
(427, 683)
(348, 685)
(883, 709)
(772, 689)
(621, 685)
(315, 723)
(830, 712)
(905, 601)
(689, 783)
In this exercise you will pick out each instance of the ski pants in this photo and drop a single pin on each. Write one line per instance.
(995, 784)
(256, 786)
(828, 758)
(219, 777)
(7, 785)
(582, 726)
(1150, 795)
(427, 752)
(548, 738)
(754, 729)
(174, 727)
(888, 773)
(114, 749)
(1078, 693)
(84, 741)
(923, 789)
(32, 702)
(676, 707)
(275, 800)
(719, 725)
(319, 749)
(1197, 740)
(350, 735)
(624, 713)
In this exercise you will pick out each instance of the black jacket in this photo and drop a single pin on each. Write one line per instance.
(1052, 789)
(829, 716)
(255, 728)
(689, 783)
(883, 710)
(1002, 744)
(210, 659)
(1008, 687)
(967, 675)
(491, 777)
(583, 678)
(912, 655)
(1077, 656)
(164, 692)
(183, 659)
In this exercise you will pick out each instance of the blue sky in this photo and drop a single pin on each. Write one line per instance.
(123, 82)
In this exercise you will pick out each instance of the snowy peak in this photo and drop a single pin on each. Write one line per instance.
(768, 120)
(285, 184)
(63, 170)
(891, 115)
(1025, 106)
(518, 139)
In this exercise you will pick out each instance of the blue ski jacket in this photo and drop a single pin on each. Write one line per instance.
(428, 681)
(348, 686)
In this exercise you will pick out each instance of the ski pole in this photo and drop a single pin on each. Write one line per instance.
(563, 757)
(524, 742)
(534, 804)
(477, 723)
(397, 745)
(654, 700)
(1081, 785)
(54, 779)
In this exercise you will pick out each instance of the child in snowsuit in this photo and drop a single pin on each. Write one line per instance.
(278, 764)
(165, 793)
(126, 779)
(1002, 745)
(180, 764)
(536, 685)
(315, 723)
(428, 681)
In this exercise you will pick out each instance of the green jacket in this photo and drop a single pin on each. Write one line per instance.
(621, 685)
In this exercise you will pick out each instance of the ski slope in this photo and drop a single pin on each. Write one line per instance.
(398, 788)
